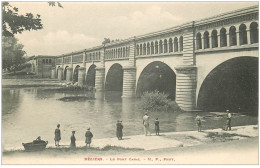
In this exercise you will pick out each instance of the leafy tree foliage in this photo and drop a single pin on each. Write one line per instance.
(12, 53)
(13, 23)
(52, 3)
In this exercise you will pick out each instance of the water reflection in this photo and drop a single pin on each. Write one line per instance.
(31, 112)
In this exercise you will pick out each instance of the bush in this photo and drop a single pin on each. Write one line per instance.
(156, 101)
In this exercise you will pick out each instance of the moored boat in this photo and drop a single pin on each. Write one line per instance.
(36, 145)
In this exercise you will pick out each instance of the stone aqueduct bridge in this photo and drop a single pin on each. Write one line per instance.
(191, 51)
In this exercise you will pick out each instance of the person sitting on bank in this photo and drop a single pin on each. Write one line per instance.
(88, 136)
(156, 125)
(73, 140)
(119, 130)
(57, 137)
(228, 123)
(198, 122)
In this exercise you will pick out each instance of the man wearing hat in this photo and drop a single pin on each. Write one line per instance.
(57, 137)
(73, 140)
(228, 125)
(88, 136)
(119, 130)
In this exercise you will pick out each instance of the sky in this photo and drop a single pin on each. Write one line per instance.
(80, 25)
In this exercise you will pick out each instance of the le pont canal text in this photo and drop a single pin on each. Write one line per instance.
(122, 159)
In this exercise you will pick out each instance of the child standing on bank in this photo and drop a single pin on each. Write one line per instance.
(198, 122)
(157, 128)
(73, 140)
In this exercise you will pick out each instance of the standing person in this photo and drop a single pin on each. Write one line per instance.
(228, 125)
(119, 130)
(198, 122)
(57, 137)
(88, 136)
(157, 128)
(73, 140)
(146, 124)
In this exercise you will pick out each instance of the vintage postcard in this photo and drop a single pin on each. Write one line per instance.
(110, 83)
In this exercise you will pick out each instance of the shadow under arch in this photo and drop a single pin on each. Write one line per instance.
(57, 70)
(114, 78)
(231, 85)
(76, 73)
(157, 76)
(65, 73)
(90, 77)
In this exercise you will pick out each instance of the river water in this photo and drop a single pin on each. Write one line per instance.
(31, 112)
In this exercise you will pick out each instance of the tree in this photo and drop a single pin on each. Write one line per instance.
(13, 23)
(106, 40)
(52, 3)
(12, 53)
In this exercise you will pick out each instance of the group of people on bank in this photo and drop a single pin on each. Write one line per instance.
(119, 129)
(57, 138)
(227, 125)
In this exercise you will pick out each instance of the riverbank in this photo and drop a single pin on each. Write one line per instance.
(210, 144)
(35, 82)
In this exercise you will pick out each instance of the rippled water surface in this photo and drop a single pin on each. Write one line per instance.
(31, 112)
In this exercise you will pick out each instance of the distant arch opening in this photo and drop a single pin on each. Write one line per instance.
(157, 76)
(76, 73)
(232, 36)
(206, 39)
(242, 34)
(231, 85)
(214, 38)
(114, 78)
(65, 73)
(223, 37)
(91, 76)
(198, 41)
(254, 32)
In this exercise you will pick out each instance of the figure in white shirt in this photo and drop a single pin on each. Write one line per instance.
(146, 124)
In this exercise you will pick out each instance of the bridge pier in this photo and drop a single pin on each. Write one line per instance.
(100, 77)
(69, 74)
(129, 79)
(60, 73)
(81, 76)
(53, 73)
(186, 87)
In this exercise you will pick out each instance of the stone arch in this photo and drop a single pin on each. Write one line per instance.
(144, 49)
(141, 49)
(76, 73)
(148, 49)
(223, 37)
(114, 78)
(91, 75)
(242, 34)
(137, 50)
(157, 76)
(233, 85)
(254, 32)
(181, 43)
(170, 45)
(206, 39)
(214, 38)
(175, 44)
(232, 36)
(160, 47)
(165, 46)
(57, 70)
(198, 41)
(65, 72)
(152, 48)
